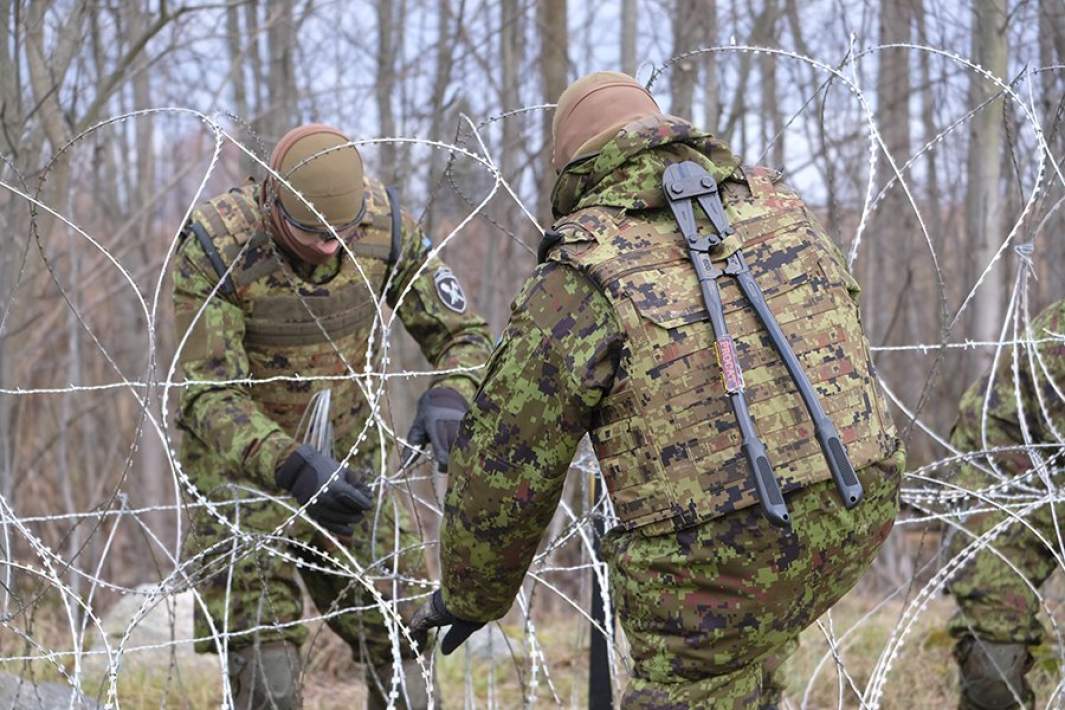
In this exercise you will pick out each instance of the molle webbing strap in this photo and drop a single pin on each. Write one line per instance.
(396, 247)
(687, 183)
(297, 320)
(397, 224)
(213, 256)
(244, 204)
(271, 334)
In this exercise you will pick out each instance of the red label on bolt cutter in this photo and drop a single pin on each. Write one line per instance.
(731, 376)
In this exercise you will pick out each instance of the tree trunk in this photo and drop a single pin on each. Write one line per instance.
(628, 37)
(494, 277)
(259, 79)
(8, 80)
(934, 212)
(685, 71)
(383, 87)
(283, 113)
(738, 111)
(983, 198)
(772, 119)
(1052, 105)
(8, 85)
(554, 74)
(711, 87)
(823, 157)
(238, 60)
(441, 82)
(890, 244)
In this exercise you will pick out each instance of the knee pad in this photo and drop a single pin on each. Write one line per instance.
(992, 674)
(265, 677)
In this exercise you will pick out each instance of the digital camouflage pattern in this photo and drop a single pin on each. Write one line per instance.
(610, 336)
(711, 612)
(994, 603)
(665, 465)
(289, 319)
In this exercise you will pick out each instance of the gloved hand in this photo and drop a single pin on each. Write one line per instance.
(433, 614)
(337, 507)
(440, 411)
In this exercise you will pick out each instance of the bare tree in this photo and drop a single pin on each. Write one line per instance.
(445, 39)
(772, 118)
(711, 100)
(554, 75)
(890, 245)
(1052, 54)
(628, 37)
(686, 70)
(384, 85)
(983, 195)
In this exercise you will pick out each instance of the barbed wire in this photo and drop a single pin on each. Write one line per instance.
(44, 552)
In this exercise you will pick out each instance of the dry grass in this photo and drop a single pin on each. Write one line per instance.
(924, 674)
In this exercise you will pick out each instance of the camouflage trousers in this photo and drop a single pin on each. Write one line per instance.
(712, 611)
(997, 602)
(255, 596)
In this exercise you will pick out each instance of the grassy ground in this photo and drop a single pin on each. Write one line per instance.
(923, 675)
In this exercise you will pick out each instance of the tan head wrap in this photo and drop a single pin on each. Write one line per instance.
(592, 110)
(331, 180)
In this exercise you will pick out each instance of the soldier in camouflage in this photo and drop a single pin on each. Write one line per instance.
(999, 421)
(610, 336)
(277, 296)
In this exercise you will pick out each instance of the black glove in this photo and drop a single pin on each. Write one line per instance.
(440, 412)
(433, 614)
(342, 502)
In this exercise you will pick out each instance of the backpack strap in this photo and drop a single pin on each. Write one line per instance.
(396, 214)
(397, 224)
(213, 256)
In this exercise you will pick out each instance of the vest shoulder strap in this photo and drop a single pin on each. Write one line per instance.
(375, 238)
(396, 224)
(572, 238)
(222, 225)
(213, 256)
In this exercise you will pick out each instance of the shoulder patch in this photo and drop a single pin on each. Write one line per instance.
(449, 290)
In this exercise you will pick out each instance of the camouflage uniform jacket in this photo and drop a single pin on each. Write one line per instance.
(1023, 402)
(610, 336)
(284, 320)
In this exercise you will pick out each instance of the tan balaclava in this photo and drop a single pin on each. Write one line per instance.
(592, 110)
(328, 176)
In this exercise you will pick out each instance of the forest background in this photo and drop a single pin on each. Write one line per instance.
(937, 258)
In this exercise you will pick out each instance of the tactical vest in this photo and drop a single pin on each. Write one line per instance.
(665, 436)
(292, 326)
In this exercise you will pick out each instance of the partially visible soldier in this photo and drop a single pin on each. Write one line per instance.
(610, 336)
(996, 622)
(267, 292)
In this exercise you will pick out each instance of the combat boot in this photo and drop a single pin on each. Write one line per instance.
(415, 685)
(265, 678)
(992, 675)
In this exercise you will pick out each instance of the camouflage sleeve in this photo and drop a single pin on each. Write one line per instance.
(556, 360)
(223, 416)
(1032, 399)
(437, 313)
